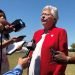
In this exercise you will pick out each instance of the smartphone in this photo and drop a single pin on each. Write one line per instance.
(21, 36)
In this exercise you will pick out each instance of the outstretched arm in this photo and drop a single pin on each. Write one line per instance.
(22, 63)
(10, 41)
(61, 58)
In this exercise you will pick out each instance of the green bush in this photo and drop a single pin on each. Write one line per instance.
(71, 50)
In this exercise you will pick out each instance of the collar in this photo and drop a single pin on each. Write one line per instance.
(49, 30)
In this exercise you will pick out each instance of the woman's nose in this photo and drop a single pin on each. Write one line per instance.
(43, 17)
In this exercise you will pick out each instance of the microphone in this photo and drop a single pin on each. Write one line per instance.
(3, 23)
(30, 46)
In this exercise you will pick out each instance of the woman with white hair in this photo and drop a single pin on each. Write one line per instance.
(49, 37)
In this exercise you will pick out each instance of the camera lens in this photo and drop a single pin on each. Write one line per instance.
(18, 24)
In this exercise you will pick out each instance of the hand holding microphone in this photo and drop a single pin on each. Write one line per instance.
(4, 23)
(7, 27)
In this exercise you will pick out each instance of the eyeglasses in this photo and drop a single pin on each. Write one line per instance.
(47, 14)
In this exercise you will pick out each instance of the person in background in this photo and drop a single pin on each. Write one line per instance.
(49, 37)
(5, 41)
(61, 58)
(22, 64)
(5, 37)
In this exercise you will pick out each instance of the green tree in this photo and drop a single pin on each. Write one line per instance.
(73, 45)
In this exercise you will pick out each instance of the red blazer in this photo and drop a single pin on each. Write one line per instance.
(56, 38)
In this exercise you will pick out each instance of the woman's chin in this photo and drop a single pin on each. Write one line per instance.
(44, 23)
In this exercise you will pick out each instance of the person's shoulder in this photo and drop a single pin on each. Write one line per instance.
(39, 31)
(60, 29)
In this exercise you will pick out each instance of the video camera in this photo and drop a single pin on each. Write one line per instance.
(18, 24)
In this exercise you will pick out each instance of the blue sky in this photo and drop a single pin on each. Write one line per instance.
(30, 10)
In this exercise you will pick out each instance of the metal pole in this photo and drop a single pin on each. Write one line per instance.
(1, 52)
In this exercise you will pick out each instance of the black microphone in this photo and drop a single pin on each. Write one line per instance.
(30, 46)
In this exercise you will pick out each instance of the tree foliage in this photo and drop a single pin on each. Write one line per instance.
(73, 45)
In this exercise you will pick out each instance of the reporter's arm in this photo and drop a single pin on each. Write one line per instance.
(4, 22)
(70, 59)
(6, 43)
(22, 63)
(10, 41)
(63, 59)
(16, 71)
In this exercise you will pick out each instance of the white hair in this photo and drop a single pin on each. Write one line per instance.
(54, 10)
